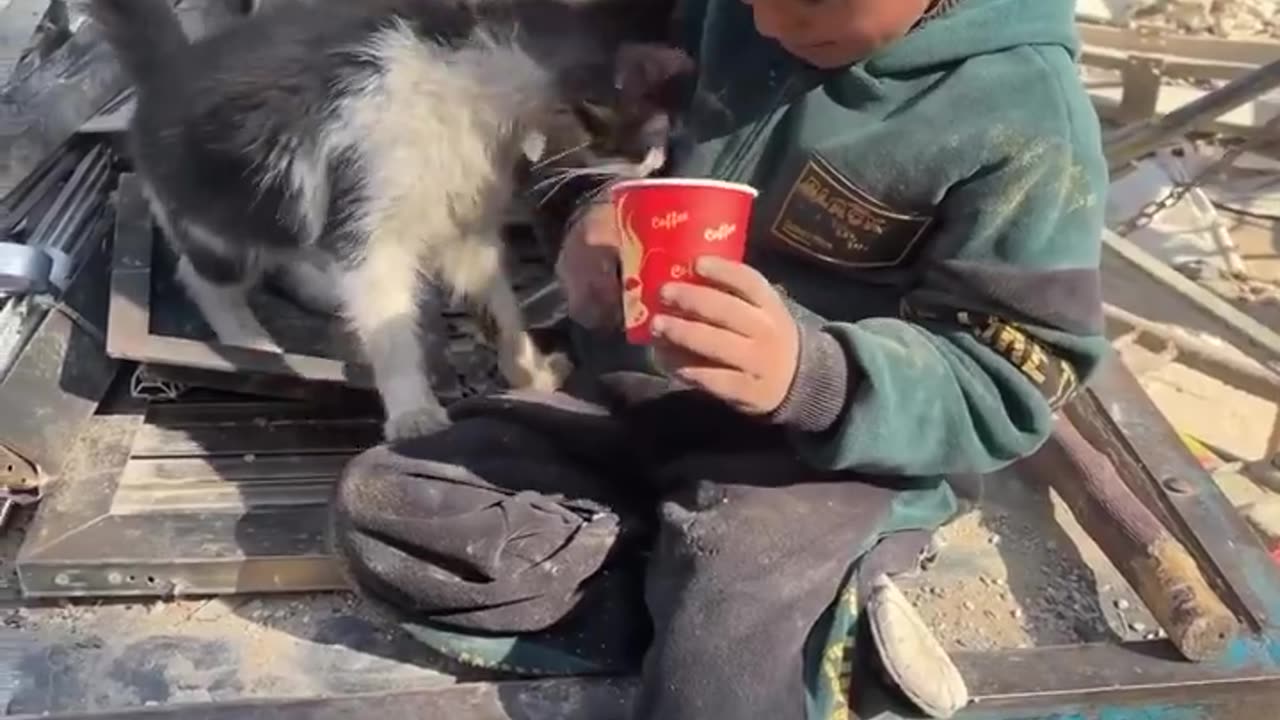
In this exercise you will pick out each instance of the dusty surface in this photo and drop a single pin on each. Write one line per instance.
(1009, 577)
(116, 655)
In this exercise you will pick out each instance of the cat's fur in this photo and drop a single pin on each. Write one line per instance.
(353, 149)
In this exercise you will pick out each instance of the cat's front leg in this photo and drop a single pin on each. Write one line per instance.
(225, 307)
(311, 278)
(380, 298)
(520, 361)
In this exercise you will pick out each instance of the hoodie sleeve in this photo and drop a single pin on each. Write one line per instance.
(1004, 326)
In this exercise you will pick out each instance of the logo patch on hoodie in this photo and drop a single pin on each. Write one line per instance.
(826, 216)
(1052, 375)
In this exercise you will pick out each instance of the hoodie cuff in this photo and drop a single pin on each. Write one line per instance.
(821, 386)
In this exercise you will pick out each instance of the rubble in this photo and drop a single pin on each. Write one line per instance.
(1235, 19)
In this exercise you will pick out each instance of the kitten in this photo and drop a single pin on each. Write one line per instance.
(354, 149)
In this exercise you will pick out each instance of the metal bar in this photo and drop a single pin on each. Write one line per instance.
(185, 577)
(230, 358)
(36, 187)
(1140, 96)
(1233, 124)
(65, 230)
(1171, 67)
(1238, 372)
(1134, 141)
(1054, 683)
(245, 383)
(1255, 332)
(1189, 48)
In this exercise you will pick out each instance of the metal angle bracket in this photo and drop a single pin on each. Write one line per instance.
(19, 483)
(17, 474)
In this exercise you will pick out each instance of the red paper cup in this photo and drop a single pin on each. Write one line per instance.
(665, 224)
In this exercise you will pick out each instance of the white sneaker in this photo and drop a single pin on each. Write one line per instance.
(911, 656)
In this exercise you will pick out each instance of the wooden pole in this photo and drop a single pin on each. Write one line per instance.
(1151, 559)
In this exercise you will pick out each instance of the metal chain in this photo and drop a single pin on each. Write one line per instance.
(1147, 213)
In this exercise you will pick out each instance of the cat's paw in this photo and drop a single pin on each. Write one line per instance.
(416, 423)
(549, 372)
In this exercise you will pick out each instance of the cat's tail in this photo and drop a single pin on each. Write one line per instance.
(145, 35)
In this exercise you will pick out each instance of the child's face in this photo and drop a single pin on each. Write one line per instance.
(834, 33)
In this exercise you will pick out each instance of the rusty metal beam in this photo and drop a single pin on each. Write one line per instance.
(1130, 143)
(1261, 339)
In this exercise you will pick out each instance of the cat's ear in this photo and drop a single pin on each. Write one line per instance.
(534, 146)
(644, 69)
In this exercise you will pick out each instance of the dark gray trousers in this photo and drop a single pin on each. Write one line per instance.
(532, 513)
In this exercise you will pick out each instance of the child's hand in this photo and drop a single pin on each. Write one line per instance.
(734, 339)
(588, 269)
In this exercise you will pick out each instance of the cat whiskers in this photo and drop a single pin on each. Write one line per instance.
(654, 160)
(547, 161)
(563, 176)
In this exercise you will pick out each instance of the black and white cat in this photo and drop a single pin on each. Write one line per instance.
(355, 149)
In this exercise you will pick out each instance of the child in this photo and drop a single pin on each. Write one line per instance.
(921, 292)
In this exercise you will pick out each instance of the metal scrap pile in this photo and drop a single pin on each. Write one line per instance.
(1190, 93)
(55, 218)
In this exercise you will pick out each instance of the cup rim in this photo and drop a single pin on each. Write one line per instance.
(685, 182)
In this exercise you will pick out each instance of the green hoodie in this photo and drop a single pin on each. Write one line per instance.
(937, 210)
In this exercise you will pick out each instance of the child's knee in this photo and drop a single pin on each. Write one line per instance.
(361, 480)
